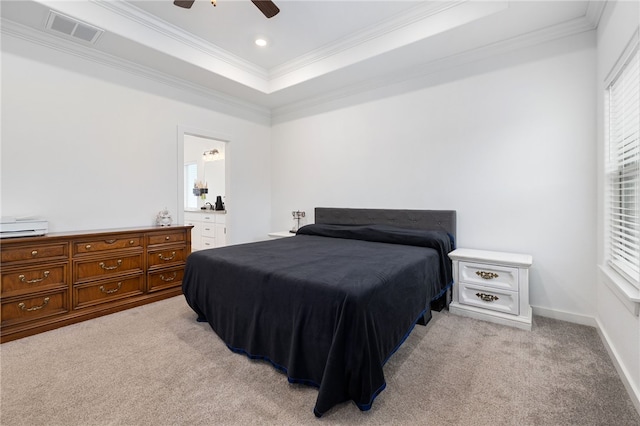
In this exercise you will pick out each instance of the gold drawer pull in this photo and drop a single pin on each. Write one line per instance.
(35, 280)
(102, 289)
(167, 238)
(34, 253)
(486, 275)
(88, 246)
(22, 306)
(110, 241)
(173, 255)
(131, 242)
(487, 297)
(169, 279)
(110, 268)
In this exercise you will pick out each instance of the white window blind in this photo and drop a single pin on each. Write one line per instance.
(623, 137)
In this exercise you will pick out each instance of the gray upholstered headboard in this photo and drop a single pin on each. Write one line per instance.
(441, 220)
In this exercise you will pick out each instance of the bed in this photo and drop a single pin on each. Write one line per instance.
(330, 305)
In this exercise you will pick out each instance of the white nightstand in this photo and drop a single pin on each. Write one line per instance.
(281, 234)
(492, 286)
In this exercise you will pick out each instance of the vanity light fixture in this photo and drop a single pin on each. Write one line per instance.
(211, 155)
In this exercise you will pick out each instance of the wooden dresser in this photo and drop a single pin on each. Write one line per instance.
(60, 279)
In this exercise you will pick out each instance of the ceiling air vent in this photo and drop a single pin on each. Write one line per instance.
(72, 28)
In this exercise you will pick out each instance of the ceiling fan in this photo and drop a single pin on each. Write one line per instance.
(267, 7)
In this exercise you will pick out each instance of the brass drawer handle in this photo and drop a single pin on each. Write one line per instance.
(486, 275)
(131, 242)
(173, 255)
(88, 246)
(167, 238)
(35, 280)
(169, 279)
(487, 297)
(22, 306)
(34, 253)
(110, 268)
(102, 289)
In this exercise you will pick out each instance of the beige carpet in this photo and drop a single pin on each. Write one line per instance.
(155, 365)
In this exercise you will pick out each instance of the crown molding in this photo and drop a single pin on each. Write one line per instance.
(418, 23)
(142, 17)
(218, 100)
(411, 16)
(129, 22)
(554, 32)
(595, 9)
(402, 20)
(235, 106)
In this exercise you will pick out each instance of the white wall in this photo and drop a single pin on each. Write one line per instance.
(617, 322)
(89, 146)
(508, 142)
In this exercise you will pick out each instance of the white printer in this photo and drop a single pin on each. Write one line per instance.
(22, 227)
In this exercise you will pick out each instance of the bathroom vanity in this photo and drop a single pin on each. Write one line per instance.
(209, 228)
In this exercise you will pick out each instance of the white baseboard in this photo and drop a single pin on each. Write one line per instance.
(623, 373)
(564, 316)
(521, 321)
(632, 390)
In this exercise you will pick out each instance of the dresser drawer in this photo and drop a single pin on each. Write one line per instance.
(167, 237)
(209, 230)
(165, 278)
(105, 244)
(489, 298)
(30, 308)
(209, 217)
(28, 279)
(35, 252)
(494, 276)
(214, 218)
(208, 242)
(85, 295)
(168, 256)
(84, 270)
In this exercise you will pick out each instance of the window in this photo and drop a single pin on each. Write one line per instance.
(622, 133)
(190, 176)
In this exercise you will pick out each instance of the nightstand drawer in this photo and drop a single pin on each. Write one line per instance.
(489, 298)
(494, 276)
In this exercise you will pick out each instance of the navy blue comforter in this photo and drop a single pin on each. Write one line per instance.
(328, 306)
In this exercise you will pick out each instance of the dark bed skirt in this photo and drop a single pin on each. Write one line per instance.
(441, 302)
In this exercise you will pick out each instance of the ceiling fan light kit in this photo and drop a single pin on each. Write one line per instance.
(267, 7)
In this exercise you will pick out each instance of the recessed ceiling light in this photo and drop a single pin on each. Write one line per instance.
(262, 42)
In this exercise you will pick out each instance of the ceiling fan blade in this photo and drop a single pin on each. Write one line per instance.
(267, 7)
(184, 3)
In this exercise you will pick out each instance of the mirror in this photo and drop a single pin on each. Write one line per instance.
(204, 171)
